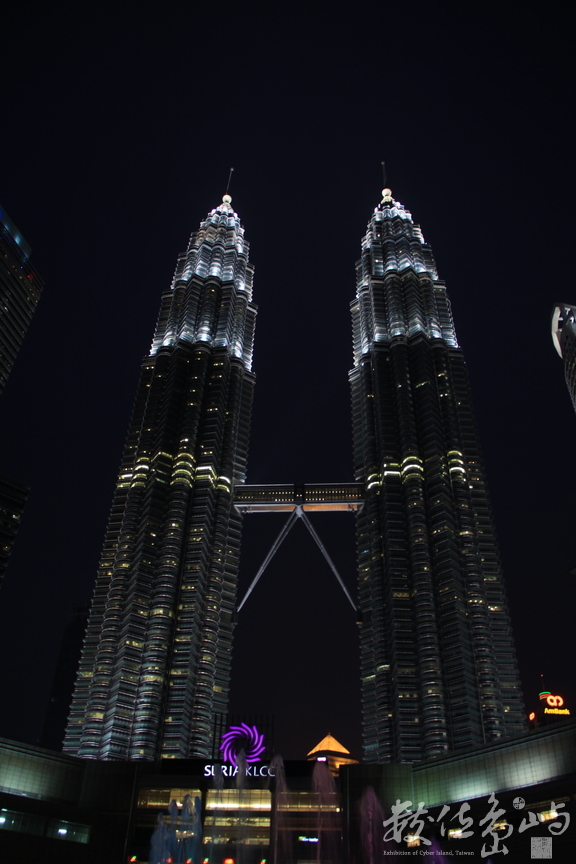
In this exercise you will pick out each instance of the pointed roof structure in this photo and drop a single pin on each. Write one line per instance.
(330, 750)
(331, 744)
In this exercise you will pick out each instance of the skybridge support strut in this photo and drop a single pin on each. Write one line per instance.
(297, 513)
(324, 551)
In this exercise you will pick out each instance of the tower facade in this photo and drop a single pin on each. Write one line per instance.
(564, 338)
(437, 656)
(20, 289)
(156, 659)
(12, 500)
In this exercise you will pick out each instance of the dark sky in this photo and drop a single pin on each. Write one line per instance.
(120, 127)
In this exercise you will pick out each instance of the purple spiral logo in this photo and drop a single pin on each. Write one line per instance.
(245, 738)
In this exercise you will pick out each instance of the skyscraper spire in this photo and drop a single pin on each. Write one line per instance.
(437, 656)
(229, 180)
(156, 661)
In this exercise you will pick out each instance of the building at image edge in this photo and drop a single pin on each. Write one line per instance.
(564, 338)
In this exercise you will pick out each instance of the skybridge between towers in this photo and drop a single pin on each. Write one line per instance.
(437, 658)
(298, 499)
(323, 497)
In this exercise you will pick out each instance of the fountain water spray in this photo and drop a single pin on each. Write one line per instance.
(371, 827)
(329, 824)
(280, 839)
(180, 842)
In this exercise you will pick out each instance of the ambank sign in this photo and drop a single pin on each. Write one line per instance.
(241, 739)
(554, 704)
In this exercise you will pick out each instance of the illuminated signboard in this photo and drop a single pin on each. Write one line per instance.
(232, 771)
(554, 704)
(242, 737)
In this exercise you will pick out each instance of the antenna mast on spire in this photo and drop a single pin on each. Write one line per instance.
(230, 178)
(385, 179)
(386, 192)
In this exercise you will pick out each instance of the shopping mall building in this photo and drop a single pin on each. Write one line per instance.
(519, 795)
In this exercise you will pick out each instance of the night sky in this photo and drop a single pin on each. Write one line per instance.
(119, 129)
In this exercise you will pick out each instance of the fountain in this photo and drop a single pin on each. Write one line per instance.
(160, 846)
(180, 841)
(329, 848)
(371, 827)
(280, 839)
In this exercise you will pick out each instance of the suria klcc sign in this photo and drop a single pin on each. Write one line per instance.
(241, 738)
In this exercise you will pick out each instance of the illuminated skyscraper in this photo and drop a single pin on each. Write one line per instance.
(156, 660)
(12, 500)
(564, 338)
(437, 656)
(20, 289)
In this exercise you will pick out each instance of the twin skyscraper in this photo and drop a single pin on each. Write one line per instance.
(438, 664)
